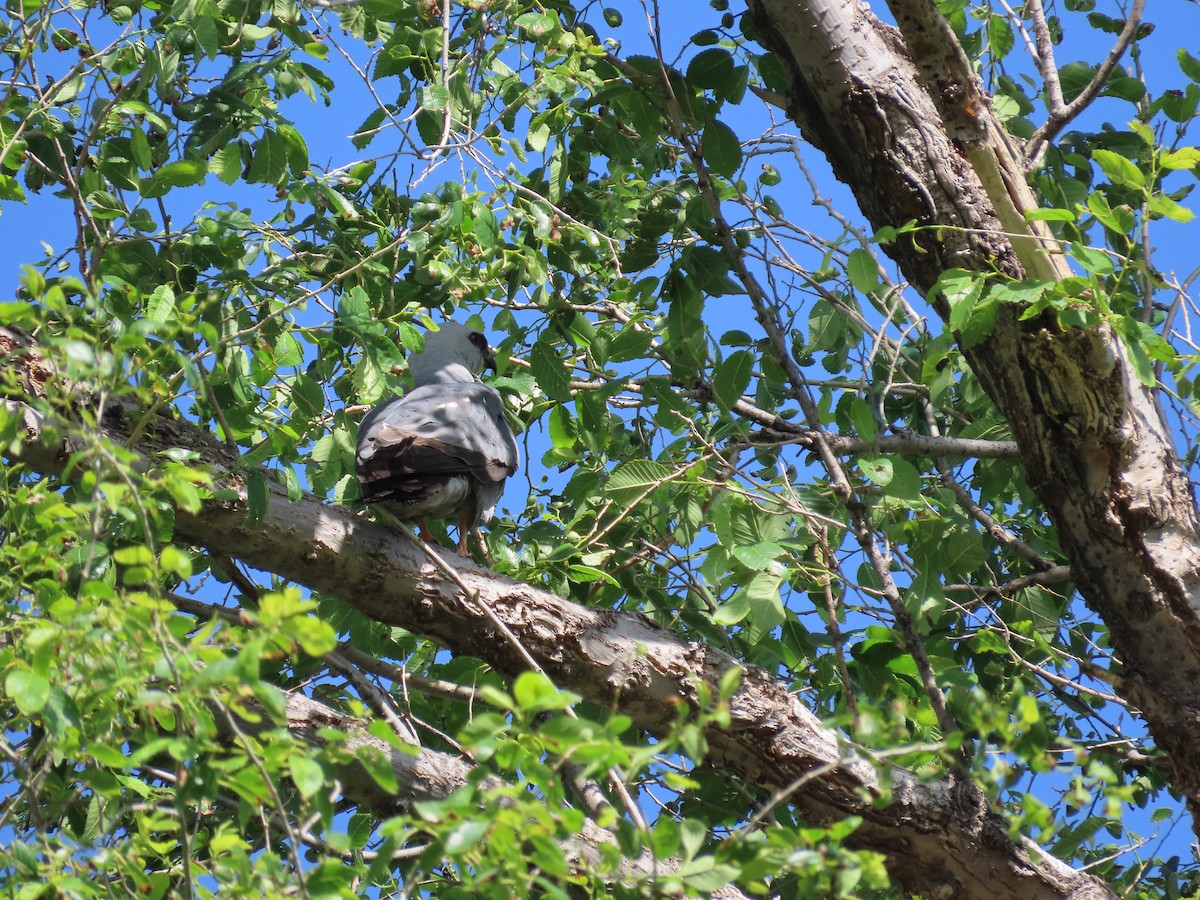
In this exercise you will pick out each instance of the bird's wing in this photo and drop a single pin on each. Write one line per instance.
(438, 430)
(502, 443)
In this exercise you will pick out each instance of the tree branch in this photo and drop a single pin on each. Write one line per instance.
(1061, 116)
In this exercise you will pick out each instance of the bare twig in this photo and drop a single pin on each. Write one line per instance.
(448, 112)
(1062, 115)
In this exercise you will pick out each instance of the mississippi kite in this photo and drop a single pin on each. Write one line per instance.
(444, 449)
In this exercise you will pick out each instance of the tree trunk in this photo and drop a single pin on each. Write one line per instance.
(1097, 451)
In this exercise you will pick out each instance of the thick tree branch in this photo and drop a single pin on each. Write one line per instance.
(423, 774)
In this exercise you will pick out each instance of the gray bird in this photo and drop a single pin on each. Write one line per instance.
(444, 449)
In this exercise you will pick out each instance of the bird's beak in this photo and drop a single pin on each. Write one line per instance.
(489, 359)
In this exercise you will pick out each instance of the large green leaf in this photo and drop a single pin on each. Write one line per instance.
(635, 479)
(721, 149)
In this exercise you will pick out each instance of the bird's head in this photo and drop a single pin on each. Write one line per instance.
(455, 352)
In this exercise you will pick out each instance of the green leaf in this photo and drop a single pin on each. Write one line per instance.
(324, 449)
(1189, 65)
(759, 555)
(161, 305)
(296, 149)
(579, 574)
(1183, 158)
(294, 489)
(1142, 130)
(379, 766)
(862, 417)
(721, 149)
(538, 24)
(732, 377)
(106, 205)
(133, 555)
(1118, 169)
(435, 98)
(535, 693)
(709, 269)
(538, 135)
(226, 163)
(563, 428)
(369, 129)
(712, 69)
(1093, 260)
(739, 523)
(28, 690)
(961, 291)
(879, 471)
(1075, 836)
(315, 637)
(486, 229)
(208, 37)
(1146, 346)
(926, 600)
(552, 376)
(1050, 215)
(257, 495)
(1163, 207)
(905, 481)
(307, 774)
(1143, 365)
(733, 610)
(558, 173)
(139, 149)
(287, 350)
(268, 159)
(1124, 87)
(181, 173)
(762, 600)
(1074, 77)
(863, 271)
(981, 321)
(1120, 220)
(10, 189)
(961, 551)
(1000, 36)
(465, 836)
(172, 559)
(632, 479)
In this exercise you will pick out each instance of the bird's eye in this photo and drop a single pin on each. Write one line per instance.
(478, 340)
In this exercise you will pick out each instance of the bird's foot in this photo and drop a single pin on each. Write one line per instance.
(426, 534)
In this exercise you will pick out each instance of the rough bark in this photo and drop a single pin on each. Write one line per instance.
(1090, 434)
(423, 774)
(940, 838)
